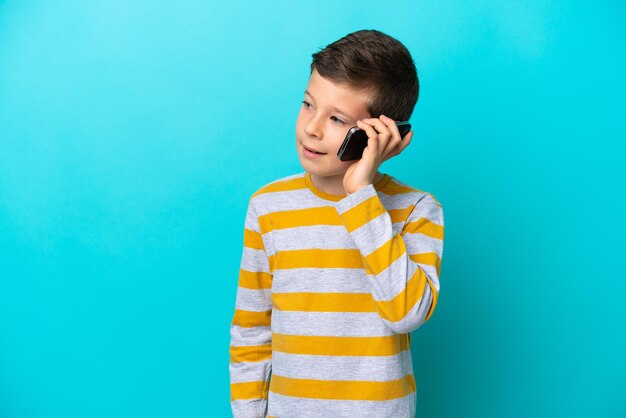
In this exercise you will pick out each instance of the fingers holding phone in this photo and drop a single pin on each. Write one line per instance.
(389, 134)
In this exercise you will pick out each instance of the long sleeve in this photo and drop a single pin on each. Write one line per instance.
(251, 337)
(402, 269)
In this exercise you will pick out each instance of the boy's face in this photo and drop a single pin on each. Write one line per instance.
(327, 114)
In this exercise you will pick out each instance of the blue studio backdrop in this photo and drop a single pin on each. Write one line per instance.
(132, 135)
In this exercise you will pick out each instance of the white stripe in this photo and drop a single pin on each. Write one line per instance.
(309, 279)
(374, 234)
(250, 336)
(420, 243)
(390, 282)
(314, 236)
(249, 407)
(254, 260)
(367, 368)
(329, 324)
(256, 300)
(288, 200)
(290, 407)
(248, 371)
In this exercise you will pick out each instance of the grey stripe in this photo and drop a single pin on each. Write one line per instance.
(330, 324)
(255, 300)
(420, 243)
(370, 368)
(315, 236)
(373, 234)
(258, 335)
(254, 260)
(249, 408)
(340, 280)
(241, 372)
(289, 407)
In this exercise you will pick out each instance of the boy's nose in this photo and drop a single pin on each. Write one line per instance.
(313, 127)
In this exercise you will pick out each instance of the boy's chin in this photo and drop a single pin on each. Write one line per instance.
(320, 172)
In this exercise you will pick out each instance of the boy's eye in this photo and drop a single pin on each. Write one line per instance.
(339, 120)
(306, 104)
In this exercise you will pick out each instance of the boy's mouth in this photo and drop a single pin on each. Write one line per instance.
(313, 151)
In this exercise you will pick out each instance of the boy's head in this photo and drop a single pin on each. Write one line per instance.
(362, 75)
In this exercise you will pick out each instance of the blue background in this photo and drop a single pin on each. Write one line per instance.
(133, 133)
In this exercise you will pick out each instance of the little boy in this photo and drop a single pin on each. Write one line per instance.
(340, 262)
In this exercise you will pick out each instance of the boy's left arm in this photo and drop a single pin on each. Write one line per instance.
(402, 270)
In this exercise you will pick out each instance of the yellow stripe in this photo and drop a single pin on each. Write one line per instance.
(325, 215)
(393, 310)
(382, 257)
(320, 258)
(424, 226)
(435, 297)
(345, 258)
(400, 215)
(431, 259)
(340, 346)
(343, 389)
(397, 308)
(252, 239)
(281, 186)
(394, 188)
(248, 390)
(255, 279)
(363, 212)
(248, 319)
(250, 353)
(324, 302)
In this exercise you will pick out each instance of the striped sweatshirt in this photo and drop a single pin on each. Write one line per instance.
(329, 289)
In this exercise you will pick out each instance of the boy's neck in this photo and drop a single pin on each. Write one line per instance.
(334, 184)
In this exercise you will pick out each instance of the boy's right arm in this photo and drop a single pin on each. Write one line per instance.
(250, 332)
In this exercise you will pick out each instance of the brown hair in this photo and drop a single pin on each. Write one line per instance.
(372, 62)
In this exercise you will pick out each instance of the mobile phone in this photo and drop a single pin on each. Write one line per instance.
(356, 140)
